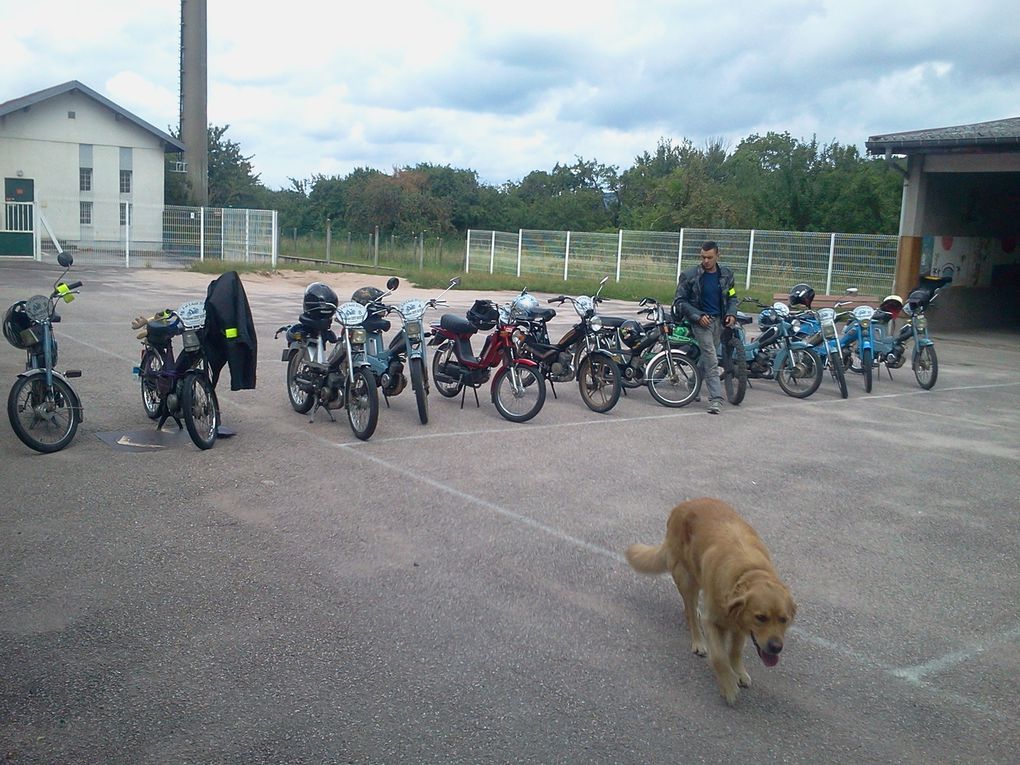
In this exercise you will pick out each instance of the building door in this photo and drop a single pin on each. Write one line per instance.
(16, 236)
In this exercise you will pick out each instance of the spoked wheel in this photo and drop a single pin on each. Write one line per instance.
(867, 366)
(801, 373)
(44, 418)
(362, 403)
(301, 400)
(518, 391)
(926, 367)
(734, 375)
(201, 410)
(149, 369)
(673, 379)
(417, 371)
(836, 368)
(440, 358)
(598, 379)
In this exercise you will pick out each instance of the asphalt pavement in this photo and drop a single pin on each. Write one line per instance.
(457, 592)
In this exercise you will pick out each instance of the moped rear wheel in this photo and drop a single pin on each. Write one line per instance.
(801, 373)
(926, 367)
(417, 372)
(300, 400)
(598, 379)
(518, 392)
(201, 410)
(867, 366)
(44, 418)
(675, 388)
(362, 403)
(443, 356)
(149, 369)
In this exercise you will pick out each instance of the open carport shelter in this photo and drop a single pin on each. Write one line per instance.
(961, 217)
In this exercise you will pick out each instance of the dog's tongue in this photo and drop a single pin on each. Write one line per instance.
(769, 659)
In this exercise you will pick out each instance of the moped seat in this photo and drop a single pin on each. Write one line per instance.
(376, 324)
(744, 317)
(541, 314)
(457, 325)
(880, 316)
(613, 321)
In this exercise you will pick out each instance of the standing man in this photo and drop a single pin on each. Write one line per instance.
(705, 295)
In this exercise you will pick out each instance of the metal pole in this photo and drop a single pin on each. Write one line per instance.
(246, 235)
(520, 245)
(276, 221)
(750, 258)
(127, 234)
(679, 255)
(329, 237)
(492, 252)
(619, 254)
(375, 259)
(467, 254)
(566, 257)
(832, 254)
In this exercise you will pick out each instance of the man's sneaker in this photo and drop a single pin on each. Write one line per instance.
(715, 407)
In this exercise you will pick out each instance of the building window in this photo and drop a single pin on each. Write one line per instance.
(124, 213)
(86, 213)
(85, 178)
(125, 181)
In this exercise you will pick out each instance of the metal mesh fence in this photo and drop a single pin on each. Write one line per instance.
(760, 259)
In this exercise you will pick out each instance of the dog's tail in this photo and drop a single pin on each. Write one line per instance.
(648, 559)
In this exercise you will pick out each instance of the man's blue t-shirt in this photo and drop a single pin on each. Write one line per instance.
(710, 293)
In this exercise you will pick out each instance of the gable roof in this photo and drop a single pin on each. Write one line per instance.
(170, 144)
(1000, 135)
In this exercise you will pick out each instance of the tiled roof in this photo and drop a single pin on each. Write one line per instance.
(1002, 135)
(170, 143)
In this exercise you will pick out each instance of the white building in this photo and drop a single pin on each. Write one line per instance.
(92, 169)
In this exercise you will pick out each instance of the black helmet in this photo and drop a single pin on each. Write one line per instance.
(801, 294)
(320, 301)
(630, 333)
(483, 314)
(367, 295)
(15, 322)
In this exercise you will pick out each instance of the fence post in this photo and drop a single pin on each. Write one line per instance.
(832, 254)
(246, 235)
(375, 257)
(750, 257)
(127, 234)
(520, 245)
(492, 252)
(467, 254)
(679, 256)
(566, 257)
(275, 238)
(329, 237)
(421, 250)
(619, 254)
(201, 234)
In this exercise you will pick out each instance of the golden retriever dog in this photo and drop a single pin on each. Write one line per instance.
(709, 549)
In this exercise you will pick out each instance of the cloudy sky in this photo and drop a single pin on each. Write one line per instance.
(322, 87)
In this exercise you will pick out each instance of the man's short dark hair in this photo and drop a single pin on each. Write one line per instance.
(709, 245)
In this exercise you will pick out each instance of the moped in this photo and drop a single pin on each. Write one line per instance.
(924, 361)
(518, 387)
(575, 354)
(43, 408)
(777, 354)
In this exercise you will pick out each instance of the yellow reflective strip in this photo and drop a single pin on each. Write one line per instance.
(62, 289)
(732, 292)
(230, 332)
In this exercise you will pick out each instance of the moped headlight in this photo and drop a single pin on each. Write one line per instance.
(865, 323)
(359, 335)
(795, 325)
(828, 330)
(595, 323)
(413, 329)
(920, 322)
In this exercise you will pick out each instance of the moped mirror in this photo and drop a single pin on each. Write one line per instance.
(65, 260)
(392, 283)
(604, 280)
(454, 282)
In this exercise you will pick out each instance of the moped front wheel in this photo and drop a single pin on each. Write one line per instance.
(362, 403)
(673, 380)
(836, 368)
(801, 373)
(443, 356)
(44, 418)
(417, 372)
(201, 410)
(867, 366)
(734, 375)
(149, 369)
(598, 379)
(301, 401)
(926, 367)
(518, 392)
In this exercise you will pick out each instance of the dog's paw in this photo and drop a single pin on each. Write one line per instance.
(729, 692)
(700, 649)
(743, 679)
